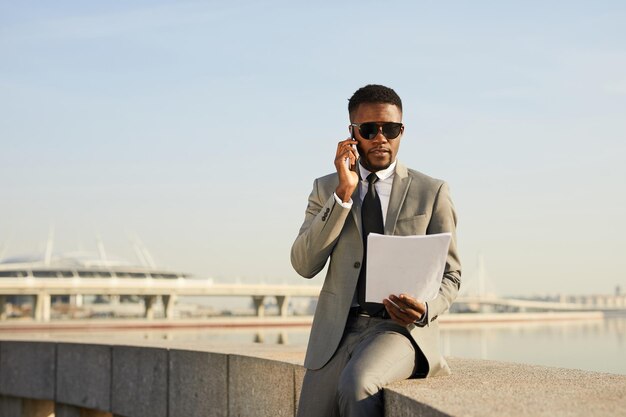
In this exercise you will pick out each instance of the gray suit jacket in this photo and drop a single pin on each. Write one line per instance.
(418, 205)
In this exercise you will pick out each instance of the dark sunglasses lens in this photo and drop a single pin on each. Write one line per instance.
(392, 130)
(368, 130)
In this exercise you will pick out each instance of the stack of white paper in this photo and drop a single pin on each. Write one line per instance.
(412, 265)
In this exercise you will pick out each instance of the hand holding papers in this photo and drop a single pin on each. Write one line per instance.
(412, 265)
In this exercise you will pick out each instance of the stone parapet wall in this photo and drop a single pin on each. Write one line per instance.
(143, 381)
(96, 380)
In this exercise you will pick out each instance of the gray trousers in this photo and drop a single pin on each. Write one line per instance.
(372, 353)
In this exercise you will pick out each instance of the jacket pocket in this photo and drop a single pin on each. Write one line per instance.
(414, 225)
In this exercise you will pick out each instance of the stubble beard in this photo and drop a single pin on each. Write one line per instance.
(379, 165)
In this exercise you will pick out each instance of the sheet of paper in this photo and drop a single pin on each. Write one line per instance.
(411, 265)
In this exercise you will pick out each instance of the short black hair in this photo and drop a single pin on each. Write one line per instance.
(373, 93)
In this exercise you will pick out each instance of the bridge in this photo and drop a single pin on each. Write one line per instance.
(605, 303)
(149, 289)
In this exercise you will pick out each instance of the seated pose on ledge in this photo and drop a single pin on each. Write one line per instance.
(356, 348)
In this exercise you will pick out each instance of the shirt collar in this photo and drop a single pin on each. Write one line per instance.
(382, 174)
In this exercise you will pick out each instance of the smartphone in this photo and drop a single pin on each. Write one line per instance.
(347, 160)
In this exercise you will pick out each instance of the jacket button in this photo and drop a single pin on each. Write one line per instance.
(324, 218)
(357, 264)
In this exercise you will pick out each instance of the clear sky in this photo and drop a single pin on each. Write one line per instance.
(200, 126)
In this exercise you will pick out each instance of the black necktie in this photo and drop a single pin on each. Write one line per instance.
(372, 221)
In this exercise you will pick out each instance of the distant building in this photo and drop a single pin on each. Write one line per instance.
(77, 266)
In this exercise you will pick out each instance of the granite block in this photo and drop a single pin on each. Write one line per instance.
(84, 375)
(27, 369)
(260, 387)
(297, 380)
(198, 384)
(64, 410)
(491, 388)
(10, 406)
(93, 413)
(139, 381)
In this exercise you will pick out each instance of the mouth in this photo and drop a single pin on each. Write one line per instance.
(379, 151)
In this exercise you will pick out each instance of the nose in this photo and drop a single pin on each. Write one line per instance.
(379, 135)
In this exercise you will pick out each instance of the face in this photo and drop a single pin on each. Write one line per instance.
(377, 153)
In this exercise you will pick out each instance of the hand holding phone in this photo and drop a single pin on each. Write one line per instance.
(345, 163)
(347, 160)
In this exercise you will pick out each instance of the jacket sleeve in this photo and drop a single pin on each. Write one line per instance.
(444, 220)
(323, 222)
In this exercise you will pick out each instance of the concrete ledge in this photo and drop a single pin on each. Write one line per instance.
(83, 375)
(260, 387)
(10, 406)
(490, 388)
(168, 379)
(64, 410)
(28, 369)
(139, 381)
(198, 384)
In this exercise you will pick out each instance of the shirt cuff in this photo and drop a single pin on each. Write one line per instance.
(339, 201)
(424, 319)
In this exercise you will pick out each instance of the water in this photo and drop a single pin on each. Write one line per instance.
(593, 345)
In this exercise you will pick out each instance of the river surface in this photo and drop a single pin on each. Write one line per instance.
(593, 345)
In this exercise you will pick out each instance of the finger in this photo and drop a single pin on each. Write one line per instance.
(399, 302)
(345, 155)
(345, 151)
(401, 318)
(392, 309)
(405, 311)
(392, 304)
(394, 316)
(412, 303)
(349, 148)
(394, 301)
(346, 142)
(403, 314)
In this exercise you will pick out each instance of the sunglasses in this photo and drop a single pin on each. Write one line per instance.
(369, 130)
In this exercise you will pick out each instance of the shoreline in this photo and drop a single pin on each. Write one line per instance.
(225, 322)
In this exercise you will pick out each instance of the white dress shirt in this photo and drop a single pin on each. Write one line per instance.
(383, 189)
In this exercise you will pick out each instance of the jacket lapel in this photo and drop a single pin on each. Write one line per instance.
(399, 190)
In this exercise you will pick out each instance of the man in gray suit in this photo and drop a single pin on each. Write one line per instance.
(355, 348)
